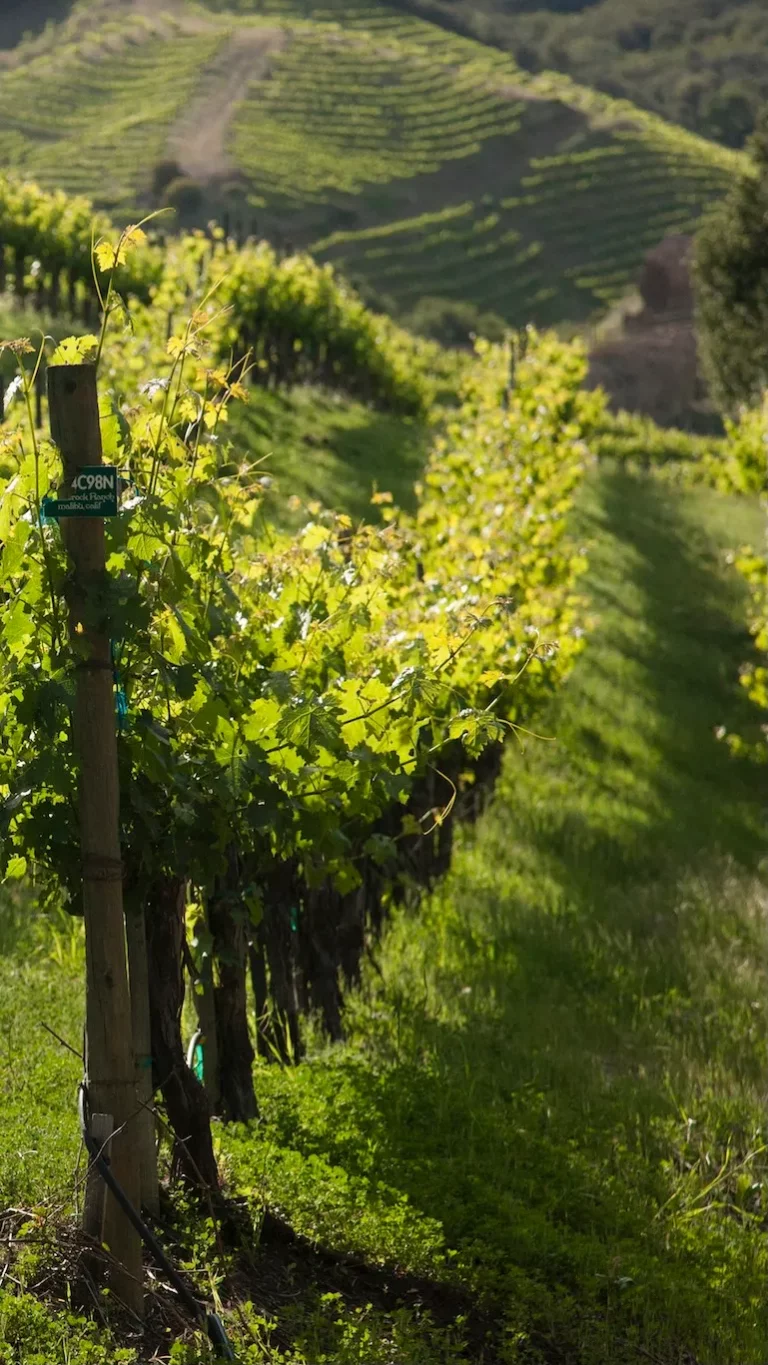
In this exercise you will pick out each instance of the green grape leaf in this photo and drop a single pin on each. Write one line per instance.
(17, 629)
(15, 868)
(263, 719)
(13, 554)
(309, 725)
(75, 350)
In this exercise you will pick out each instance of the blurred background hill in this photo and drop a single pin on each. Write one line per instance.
(468, 167)
(700, 63)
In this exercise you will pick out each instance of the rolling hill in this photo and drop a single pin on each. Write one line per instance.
(418, 162)
(698, 62)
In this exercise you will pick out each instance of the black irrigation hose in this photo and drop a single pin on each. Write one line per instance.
(209, 1322)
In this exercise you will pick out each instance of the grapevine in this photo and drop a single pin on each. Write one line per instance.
(299, 713)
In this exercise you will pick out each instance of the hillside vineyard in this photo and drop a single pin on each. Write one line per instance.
(417, 161)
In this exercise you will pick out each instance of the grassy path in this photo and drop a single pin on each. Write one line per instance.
(562, 1064)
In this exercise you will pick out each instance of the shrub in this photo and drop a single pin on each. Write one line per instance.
(729, 114)
(164, 174)
(453, 323)
(185, 195)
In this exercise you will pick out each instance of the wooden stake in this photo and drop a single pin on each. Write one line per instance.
(102, 1127)
(19, 283)
(74, 418)
(39, 391)
(146, 1134)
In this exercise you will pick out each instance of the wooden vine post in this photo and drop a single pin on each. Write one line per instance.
(145, 1128)
(74, 419)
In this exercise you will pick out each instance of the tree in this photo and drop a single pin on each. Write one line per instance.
(729, 114)
(185, 195)
(731, 283)
(454, 323)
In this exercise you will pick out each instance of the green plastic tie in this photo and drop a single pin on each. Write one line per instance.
(198, 1062)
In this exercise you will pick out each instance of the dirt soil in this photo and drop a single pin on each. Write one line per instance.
(199, 140)
(652, 367)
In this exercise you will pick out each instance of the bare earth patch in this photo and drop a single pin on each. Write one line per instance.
(198, 141)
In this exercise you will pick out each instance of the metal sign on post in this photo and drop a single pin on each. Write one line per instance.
(92, 493)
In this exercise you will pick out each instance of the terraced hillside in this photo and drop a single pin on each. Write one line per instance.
(696, 62)
(418, 162)
(91, 113)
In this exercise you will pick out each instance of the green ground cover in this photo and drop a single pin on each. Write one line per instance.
(317, 445)
(552, 1089)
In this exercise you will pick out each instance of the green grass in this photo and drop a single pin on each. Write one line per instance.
(315, 445)
(552, 1093)
(561, 1061)
(419, 162)
(40, 983)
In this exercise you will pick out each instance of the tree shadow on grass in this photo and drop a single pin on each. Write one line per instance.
(678, 624)
(389, 453)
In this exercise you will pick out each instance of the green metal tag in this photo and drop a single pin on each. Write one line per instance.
(92, 493)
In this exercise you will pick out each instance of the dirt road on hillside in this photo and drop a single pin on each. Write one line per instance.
(199, 139)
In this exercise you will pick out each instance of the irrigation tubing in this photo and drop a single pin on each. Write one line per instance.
(209, 1322)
